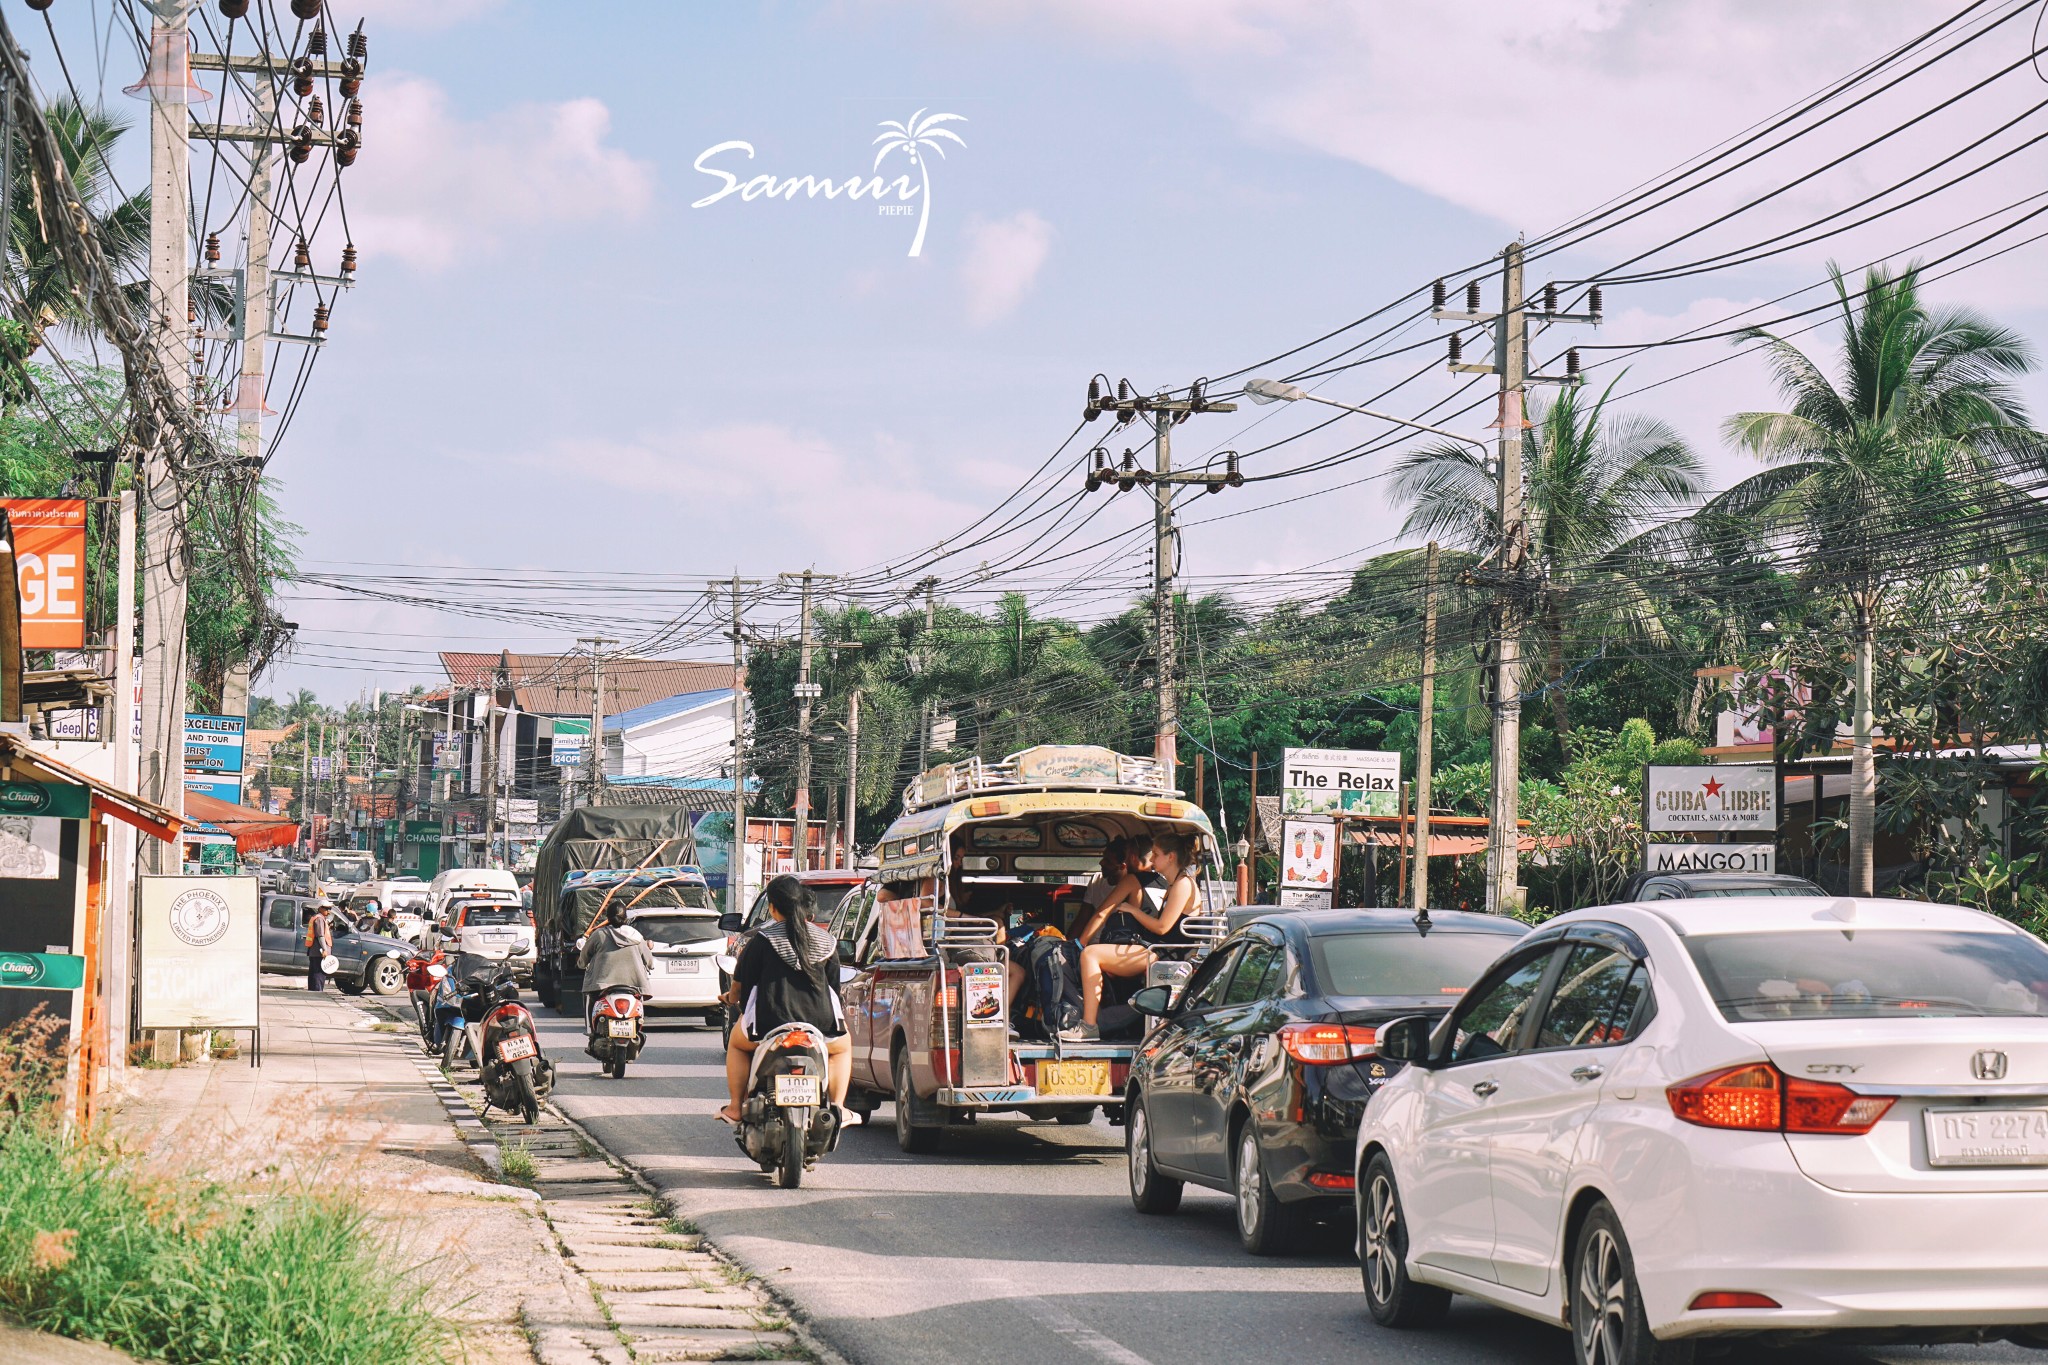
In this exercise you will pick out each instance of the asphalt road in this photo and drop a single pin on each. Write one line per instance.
(1018, 1243)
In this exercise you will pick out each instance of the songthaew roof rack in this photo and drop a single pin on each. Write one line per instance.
(1045, 767)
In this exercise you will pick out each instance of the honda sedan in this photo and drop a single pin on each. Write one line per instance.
(1763, 1118)
(1255, 1079)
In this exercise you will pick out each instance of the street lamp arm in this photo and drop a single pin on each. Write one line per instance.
(1481, 446)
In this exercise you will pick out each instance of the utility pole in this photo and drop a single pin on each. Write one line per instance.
(736, 863)
(931, 704)
(593, 756)
(120, 926)
(1425, 733)
(490, 773)
(852, 807)
(169, 83)
(1127, 404)
(806, 690)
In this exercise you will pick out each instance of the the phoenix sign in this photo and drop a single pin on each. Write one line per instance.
(1722, 797)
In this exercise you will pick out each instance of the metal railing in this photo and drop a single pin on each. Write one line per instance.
(974, 777)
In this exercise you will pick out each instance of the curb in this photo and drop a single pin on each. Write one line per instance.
(469, 1125)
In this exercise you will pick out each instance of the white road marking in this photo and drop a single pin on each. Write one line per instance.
(1077, 1333)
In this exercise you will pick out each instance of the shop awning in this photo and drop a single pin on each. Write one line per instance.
(254, 830)
(110, 801)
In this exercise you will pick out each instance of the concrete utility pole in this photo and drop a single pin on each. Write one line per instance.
(119, 943)
(490, 773)
(164, 574)
(852, 817)
(1425, 732)
(1504, 838)
(593, 755)
(1166, 746)
(805, 691)
(736, 863)
(256, 289)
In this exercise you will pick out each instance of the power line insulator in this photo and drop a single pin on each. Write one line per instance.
(302, 76)
(351, 77)
(1232, 475)
(355, 113)
(316, 41)
(348, 259)
(347, 143)
(1571, 363)
(302, 255)
(39, 5)
(1550, 298)
(316, 112)
(212, 248)
(1092, 409)
(320, 318)
(234, 9)
(358, 44)
(1457, 348)
(306, 9)
(1436, 295)
(1593, 301)
(1472, 297)
(302, 145)
(191, 311)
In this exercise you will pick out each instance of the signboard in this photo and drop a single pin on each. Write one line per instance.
(423, 831)
(1325, 781)
(30, 848)
(1710, 857)
(1308, 855)
(52, 800)
(1295, 899)
(320, 767)
(228, 789)
(201, 953)
(518, 810)
(981, 995)
(213, 744)
(49, 560)
(41, 971)
(1740, 797)
(570, 737)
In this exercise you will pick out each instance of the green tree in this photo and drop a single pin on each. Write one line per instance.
(1920, 428)
(1596, 481)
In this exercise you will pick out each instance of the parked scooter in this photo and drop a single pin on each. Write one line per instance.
(517, 1076)
(617, 1030)
(787, 1120)
(423, 977)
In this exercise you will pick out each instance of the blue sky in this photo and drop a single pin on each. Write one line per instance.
(554, 362)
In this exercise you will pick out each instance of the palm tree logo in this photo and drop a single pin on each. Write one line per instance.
(918, 134)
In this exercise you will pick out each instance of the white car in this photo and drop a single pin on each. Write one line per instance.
(1760, 1117)
(686, 946)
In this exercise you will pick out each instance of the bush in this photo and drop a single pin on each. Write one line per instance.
(181, 1269)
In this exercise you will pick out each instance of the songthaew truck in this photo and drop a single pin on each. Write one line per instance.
(639, 839)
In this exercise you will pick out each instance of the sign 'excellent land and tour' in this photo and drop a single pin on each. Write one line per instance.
(1740, 798)
(1329, 781)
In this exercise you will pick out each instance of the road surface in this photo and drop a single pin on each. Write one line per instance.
(1018, 1243)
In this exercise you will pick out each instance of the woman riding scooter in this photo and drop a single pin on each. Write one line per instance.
(615, 956)
(788, 974)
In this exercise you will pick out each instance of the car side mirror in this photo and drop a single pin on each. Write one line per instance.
(1407, 1040)
(1155, 1002)
(732, 922)
(847, 974)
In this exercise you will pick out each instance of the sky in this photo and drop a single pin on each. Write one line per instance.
(568, 390)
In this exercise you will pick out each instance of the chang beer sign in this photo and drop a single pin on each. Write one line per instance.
(41, 971)
(48, 800)
(1730, 797)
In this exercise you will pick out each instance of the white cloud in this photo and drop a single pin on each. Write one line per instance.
(433, 186)
(418, 14)
(1004, 256)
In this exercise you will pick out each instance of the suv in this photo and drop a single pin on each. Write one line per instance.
(686, 978)
(367, 961)
(492, 926)
(1686, 886)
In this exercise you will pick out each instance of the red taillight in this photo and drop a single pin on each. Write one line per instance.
(1728, 1298)
(795, 1040)
(1760, 1098)
(1325, 1180)
(1321, 1044)
(504, 1012)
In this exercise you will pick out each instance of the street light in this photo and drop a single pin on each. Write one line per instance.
(1280, 391)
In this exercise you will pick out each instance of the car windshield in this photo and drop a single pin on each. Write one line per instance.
(1442, 963)
(1697, 892)
(353, 873)
(495, 914)
(674, 931)
(1853, 973)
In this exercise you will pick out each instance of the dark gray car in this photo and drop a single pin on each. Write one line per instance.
(364, 961)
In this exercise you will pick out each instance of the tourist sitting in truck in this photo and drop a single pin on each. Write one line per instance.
(1121, 938)
(788, 974)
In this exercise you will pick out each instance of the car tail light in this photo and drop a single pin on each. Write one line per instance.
(1728, 1298)
(1328, 1180)
(1321, 1044)
(1760, 1098)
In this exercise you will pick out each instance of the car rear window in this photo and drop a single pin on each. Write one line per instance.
(496, 914)
(674, 931)
(1442, 963)
(1853, 973)
(1701, 893)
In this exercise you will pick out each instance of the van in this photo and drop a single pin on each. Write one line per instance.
(462, 879)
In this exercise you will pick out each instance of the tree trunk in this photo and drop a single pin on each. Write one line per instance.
(1863, 761)
(1560, 712)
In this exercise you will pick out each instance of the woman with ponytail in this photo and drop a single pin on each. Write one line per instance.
(788, 974)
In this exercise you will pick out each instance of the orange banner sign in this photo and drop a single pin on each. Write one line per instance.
(49, 553)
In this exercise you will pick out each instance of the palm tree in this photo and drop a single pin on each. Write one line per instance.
(1919, 431)
(1595, 483)
(916, 134)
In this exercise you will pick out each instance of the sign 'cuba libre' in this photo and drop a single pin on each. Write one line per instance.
(1710, 797)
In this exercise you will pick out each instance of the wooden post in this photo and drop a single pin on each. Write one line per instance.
(1401, 843)
(1251, 828)
(1200, 761)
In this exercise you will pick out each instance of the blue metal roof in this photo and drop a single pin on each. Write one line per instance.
(666, 707)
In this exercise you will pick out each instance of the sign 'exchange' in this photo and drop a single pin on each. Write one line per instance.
(1727, 797)
(1329, 781)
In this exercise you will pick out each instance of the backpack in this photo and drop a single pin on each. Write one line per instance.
(1053, 966)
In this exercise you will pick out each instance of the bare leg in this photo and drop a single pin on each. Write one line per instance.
(738, 1059)
(1107, 959)
(839, 1066)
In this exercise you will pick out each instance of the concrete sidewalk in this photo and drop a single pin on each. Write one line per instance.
(340, 1098)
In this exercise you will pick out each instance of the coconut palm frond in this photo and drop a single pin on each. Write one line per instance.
(946, 133)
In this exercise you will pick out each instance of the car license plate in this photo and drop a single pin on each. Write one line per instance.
(684, 966)
(497, 936)
(794, 1090)
(515, 1048)
(1987, 1137)
(622, 1028)
(1073, 1078)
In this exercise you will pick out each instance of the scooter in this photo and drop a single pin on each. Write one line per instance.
(423, 977)
(617, 1029)
(786, 1118)
(517, 1076)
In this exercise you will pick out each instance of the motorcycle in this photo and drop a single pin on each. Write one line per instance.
(786, 1119)
(617, 1029)
(423, 976)
(494, 1027)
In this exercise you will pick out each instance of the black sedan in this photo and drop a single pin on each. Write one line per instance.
(1254, 1081)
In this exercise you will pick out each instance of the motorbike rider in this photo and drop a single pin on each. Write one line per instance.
(788, 973)
(615, 956)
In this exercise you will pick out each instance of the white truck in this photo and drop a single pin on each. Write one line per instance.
(339, 873)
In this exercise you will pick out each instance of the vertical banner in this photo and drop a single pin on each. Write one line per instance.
(202, 953)
(49, 563)
(1308, 862)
